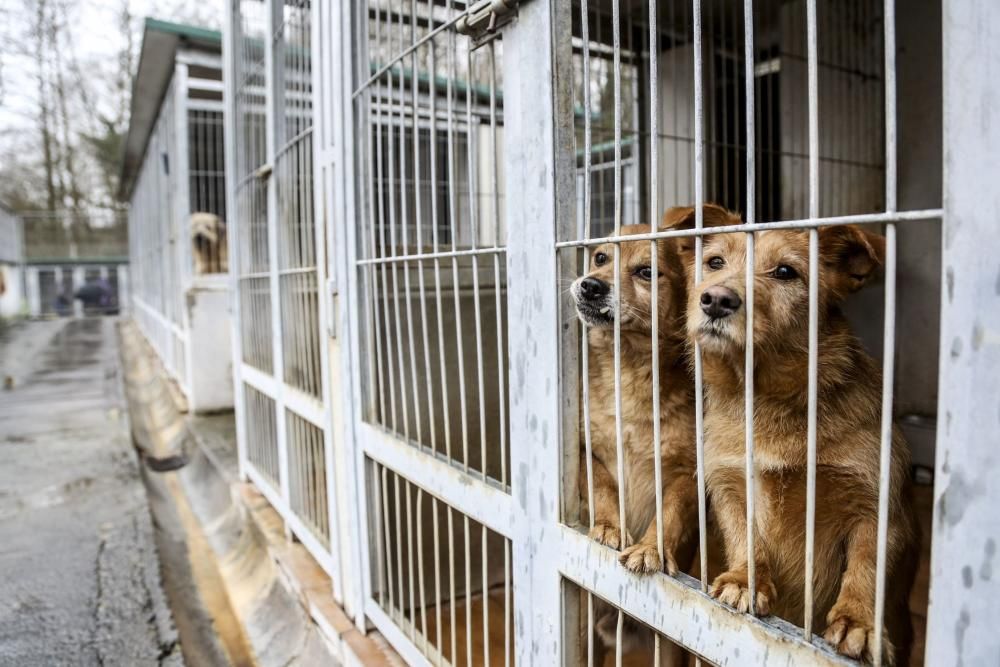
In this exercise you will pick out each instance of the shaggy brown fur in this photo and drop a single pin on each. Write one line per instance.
(848, 430)
(676, 405)
(676, 420)
(208, 244)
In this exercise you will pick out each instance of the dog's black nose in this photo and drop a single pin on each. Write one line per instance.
(718, 302)
(593, 288)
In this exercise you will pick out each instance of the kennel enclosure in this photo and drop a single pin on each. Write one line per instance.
(173, 177)
(413, 186)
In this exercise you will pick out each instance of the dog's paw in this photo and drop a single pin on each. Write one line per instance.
(608, 535)
(853, 634)
(645, 559)
(733, 588)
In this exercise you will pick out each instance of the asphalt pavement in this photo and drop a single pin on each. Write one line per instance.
(79, 579)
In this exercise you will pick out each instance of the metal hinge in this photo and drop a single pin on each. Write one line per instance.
(263, 172)
(332, 314)
(484, 20)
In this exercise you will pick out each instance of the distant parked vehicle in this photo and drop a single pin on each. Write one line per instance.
(98, 298)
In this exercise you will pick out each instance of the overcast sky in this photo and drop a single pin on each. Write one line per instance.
(95, 37)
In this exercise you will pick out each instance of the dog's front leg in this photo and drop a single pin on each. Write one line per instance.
(607, 527)
(680, 506)
(733, 587)
(851, 620)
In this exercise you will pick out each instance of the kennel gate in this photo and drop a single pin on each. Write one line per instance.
(277, 263)
(420, 477)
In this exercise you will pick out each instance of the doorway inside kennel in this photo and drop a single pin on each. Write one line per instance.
(464, 157)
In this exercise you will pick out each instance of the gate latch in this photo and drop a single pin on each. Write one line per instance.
(483, 21)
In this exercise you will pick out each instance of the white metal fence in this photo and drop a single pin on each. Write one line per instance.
(277, 267)
(177, 209)
(414, 197)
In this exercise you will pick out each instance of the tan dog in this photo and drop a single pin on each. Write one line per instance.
(848, 430)
(208, 244)
(596, 307)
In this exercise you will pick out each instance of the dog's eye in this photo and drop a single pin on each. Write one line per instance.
(785, 272)
(716, 263)
(644, 272)
(600, 259)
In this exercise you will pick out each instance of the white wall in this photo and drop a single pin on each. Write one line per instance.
(12, 301)
(210, 356)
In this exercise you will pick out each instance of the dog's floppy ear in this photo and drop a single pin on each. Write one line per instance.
(853, 253)
(682, 217)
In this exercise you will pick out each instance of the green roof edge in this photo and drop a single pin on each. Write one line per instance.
(183, 30)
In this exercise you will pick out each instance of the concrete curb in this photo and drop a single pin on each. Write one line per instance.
(280, 596)
(166, 627)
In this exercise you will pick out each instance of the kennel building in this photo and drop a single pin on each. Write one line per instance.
(12, 296)
(173, 178)
(415, 185)
(69, 255)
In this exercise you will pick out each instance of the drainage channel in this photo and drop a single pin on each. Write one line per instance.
(233, 601)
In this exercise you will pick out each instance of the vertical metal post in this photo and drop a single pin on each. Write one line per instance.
(274, 94)
(699, 215)
(748, 377)
(965, 566)
(182, 209)
(324, 41)
(540, 171)
(889, 325)
(230, 77)
(352, 48)
(813, 76)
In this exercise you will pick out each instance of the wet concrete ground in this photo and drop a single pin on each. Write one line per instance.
(79, 580)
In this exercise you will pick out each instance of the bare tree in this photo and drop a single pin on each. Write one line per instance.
(72, 118)
(40, 35)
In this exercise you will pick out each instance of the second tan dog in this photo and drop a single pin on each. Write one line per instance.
(848, 434)
(596, 307)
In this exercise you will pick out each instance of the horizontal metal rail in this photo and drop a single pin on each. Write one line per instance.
(302, 532)
(432, 255)
(482, 501)
(677, 607)
(807, 223)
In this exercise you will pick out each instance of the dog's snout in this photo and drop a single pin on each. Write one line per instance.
(718, 301)
(593, 288)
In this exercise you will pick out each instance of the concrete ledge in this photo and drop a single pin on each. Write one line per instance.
(278, 593)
